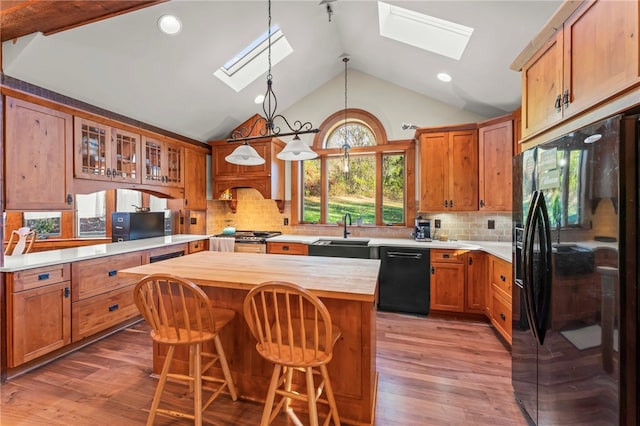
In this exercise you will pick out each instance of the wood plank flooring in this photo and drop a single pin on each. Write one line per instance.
(432, 371)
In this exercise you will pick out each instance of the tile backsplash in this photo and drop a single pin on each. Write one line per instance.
(253, 212)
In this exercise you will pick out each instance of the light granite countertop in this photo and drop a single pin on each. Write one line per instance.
(56, 257)
(499, 249)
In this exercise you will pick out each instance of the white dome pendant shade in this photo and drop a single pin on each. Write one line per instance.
(244, 155)
(296, 150)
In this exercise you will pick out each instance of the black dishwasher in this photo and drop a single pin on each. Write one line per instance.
(404, 280)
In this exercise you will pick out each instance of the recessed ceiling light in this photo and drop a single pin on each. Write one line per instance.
(259, 99)
(169, 24)
(443, 76)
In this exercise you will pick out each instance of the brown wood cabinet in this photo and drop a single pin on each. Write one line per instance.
(101, 298)
(103, 152)
(500, 278)
(38, 312)
(300, 249)
(449, 170)
(476, 282)
(591, 58)
(163, 162)
(267, 178)
(195, 180)
(495, 141)
(447, 282)
(38, 143)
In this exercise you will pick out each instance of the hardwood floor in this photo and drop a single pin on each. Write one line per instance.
(432, 371)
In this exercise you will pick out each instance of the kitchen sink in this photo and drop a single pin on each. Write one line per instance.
(341, 247)
(572, 259)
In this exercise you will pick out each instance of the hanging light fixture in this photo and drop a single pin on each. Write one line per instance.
(345, 146)
(270, 129)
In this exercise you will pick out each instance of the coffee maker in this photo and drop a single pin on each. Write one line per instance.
(422, 230)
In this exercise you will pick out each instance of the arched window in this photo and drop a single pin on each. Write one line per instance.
(373, 191)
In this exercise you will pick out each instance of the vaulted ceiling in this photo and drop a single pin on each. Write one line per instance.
(118, 59)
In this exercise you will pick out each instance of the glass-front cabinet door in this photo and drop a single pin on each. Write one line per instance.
(92, 144)
(125, 160)
(163, 163)
(105, 153)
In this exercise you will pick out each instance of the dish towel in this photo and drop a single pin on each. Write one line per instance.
(221, 243)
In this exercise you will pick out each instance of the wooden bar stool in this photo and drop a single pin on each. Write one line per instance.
(21, 241)
(180, 313)
(294, 331)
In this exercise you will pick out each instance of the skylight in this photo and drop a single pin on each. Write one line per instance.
(423, 31)
(252, 62)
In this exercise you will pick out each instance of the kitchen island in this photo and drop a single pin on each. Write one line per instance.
(348, 288)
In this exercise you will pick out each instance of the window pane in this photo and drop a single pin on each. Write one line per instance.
(357, 135)
(393, 188)
(127, 200)
(355, 192)
(46, 224)
(312, 190)
(91, 215)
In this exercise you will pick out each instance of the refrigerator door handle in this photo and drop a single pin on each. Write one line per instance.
(527, 262)
(538, 303)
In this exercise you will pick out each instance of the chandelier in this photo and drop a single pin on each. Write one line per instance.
(294, 150)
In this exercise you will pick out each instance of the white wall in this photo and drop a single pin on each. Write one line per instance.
(391, 104)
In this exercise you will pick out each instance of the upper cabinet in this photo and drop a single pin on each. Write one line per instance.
(103, 152)
(591, 58)
(38, 143)
(267, 178)
(495, 141)
(449, 170)
(195, 180)
(163, 163)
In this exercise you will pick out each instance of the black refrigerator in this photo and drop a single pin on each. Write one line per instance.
(575, 292)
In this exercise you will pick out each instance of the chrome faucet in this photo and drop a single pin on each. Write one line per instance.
(344, 221)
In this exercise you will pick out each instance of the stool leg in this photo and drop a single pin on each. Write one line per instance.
(197, 393)
(271, 394)
(225, 368)
(311, 395)
(160, 386)
(287, 386)
(329, 391)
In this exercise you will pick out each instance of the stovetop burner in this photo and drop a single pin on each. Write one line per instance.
(252, 236)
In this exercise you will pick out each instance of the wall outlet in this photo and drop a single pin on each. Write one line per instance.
(491, 224)
(437, 223)
(286, 221)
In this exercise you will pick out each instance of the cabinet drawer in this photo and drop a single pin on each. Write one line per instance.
(501, 315)
(38, 277)
(96, 276)
(451, 256)
(98, 313)
(501, 276)
(287, 248)
(196, 246)
(167, 250)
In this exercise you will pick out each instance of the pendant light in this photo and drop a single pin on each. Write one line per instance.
(247, 155)
(345, 146)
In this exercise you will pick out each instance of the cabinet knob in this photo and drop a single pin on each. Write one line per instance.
(108, 172)
(433, 270)
(67, 292)
(481, 203)
(451, 203)
(69, 199)
(285, 248)
(446, 203)
(503, 316)
(565, 99)
(503, 278)
(470, 260)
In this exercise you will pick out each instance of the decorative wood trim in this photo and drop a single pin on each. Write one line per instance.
(337, 118)
(448, 128)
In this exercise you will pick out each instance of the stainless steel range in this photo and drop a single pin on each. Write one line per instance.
(251, 241)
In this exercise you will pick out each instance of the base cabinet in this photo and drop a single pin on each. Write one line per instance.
(500, 276)
(447, 280)
(476, 282)
(38, 312)
(299, 249)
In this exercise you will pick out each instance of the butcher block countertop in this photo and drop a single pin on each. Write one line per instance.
(331, 277)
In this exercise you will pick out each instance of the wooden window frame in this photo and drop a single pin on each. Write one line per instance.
(382, 147)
